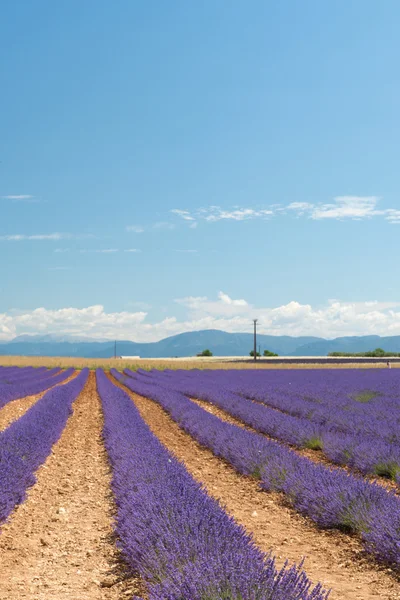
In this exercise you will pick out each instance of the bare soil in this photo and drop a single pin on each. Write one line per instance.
(59, 543)
(335, 559)
(16, 408)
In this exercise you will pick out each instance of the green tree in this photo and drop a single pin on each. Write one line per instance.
(269, 353)
(379, 352)
(205, 352)
(252, 353)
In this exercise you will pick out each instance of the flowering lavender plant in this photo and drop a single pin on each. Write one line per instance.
(27, 442)
(38, 383)
(178, 538)
(331, 497)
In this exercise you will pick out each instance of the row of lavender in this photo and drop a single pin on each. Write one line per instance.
(352, 400)
(20, 384)
(12, 374)
(331, 498)
(27, 442)
(179, 539)
(367, 453)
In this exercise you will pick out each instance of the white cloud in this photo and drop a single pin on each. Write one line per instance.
(135, 228)
(54, 237)
(393, 215)
(163, 225)
(216, 213)
(342, 207)
(225, 299)
(200, 306)
(240, 214)
(98, 250)
(36, 237)
(187, 251)
(62, 250)
(132, 250)
(334, 319)
(347, 207)
(21, 198)
(184, 214)
(300, 208)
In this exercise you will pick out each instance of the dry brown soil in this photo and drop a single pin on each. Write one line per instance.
(335, 559)
(16, 408)
(59, 544)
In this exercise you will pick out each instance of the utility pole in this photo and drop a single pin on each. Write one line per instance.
(115, 349)
(255, 339)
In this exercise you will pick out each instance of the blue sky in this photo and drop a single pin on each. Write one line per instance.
(180, 165)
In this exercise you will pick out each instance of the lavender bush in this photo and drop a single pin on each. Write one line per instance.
(178, 538)
(9, 375)
(37, 384)
(362, 451)
(331, 498)
(27, 442)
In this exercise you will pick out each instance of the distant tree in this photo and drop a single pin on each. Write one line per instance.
(205, 352)
(269, 353)
(252, 353)
(379, 352)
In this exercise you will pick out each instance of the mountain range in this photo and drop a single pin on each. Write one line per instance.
(220, 343)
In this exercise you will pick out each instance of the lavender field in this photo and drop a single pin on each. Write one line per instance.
(214, 484)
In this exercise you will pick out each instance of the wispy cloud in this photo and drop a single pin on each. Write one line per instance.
(393, 215)
(216, 213)
(164, 225)
(53, 237)
(341, 208)
(300, 208)
(347, 207)
(98, 250)
(187, 251)
(36, 237)
(135, 228)
(240, 214)
(20, 198)
(184, 214)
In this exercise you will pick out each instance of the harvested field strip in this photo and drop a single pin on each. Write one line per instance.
(16, 408)
(335, 559)
(59, 543)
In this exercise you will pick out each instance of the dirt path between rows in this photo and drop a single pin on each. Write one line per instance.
(59, 542)
(335, 559)
(16, 408)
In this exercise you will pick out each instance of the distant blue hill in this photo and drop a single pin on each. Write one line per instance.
(220, 343)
